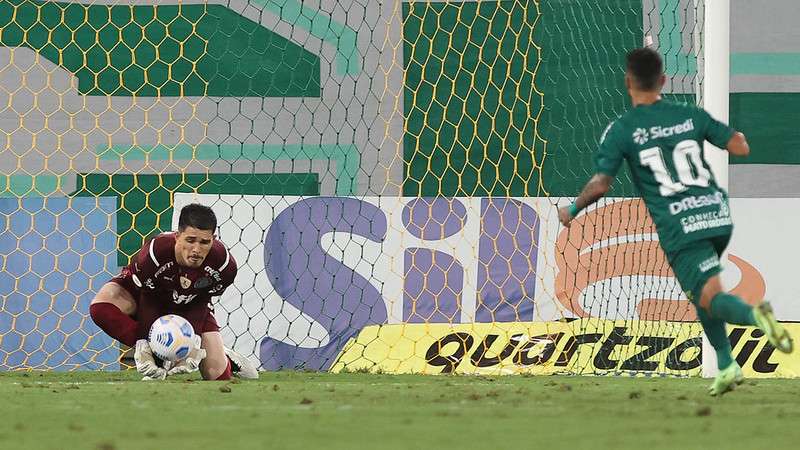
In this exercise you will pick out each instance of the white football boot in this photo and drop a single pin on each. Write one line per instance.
(241, 366)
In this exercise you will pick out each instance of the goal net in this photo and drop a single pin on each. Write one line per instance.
(386, 174)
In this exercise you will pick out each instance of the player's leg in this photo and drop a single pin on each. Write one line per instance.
(717, 336)
(729, 373)
(693, 268)
(720, 304)
(724, 306)
(111, 309)
(215, 366)
(697, 269)
(732, 309)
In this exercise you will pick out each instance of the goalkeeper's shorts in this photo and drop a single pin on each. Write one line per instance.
(695, 264)
(199, 313)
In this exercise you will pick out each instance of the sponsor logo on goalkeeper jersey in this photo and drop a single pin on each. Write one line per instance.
(202, 283)
(182, 298)
(593, 346)
(163, 269)
(213, 274)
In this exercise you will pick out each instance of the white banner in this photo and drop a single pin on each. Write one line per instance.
(313, 272)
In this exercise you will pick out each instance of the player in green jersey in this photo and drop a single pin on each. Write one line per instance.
(662, 143)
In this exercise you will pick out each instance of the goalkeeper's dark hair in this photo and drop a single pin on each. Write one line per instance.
(197, 216)
(646, 67)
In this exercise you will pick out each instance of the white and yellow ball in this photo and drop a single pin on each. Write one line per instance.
(171, 337)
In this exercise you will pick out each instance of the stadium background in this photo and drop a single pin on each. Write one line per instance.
(115, 114)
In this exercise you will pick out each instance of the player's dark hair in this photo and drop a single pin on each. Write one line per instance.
(197, 216)
(646, 67)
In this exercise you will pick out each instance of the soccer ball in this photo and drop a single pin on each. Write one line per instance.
(171, 337)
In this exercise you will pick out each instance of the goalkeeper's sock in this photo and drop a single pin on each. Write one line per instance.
(228, 373)
(732, 309)
(718, 337)
(114, 322)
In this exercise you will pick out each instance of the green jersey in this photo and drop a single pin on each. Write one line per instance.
(662, 143)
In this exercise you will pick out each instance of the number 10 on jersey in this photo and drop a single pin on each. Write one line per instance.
(688, 163)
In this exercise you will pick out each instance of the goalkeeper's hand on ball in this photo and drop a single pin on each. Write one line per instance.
(191, 362)
(146, 363)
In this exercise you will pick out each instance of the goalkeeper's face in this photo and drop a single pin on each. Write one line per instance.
(192, 245)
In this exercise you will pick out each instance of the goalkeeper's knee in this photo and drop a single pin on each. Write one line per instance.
(216, 371)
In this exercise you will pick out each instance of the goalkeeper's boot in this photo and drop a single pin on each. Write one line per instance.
(241, 366)
(777, 335)
(726, 379)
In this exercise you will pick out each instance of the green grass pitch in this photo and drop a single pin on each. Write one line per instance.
(292, 410)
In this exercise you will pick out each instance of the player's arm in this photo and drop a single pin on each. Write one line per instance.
(723, 136)
(143, 273)
(594, 190)
(607, 160)
(227, 274)
(737, 145)
(145, 265)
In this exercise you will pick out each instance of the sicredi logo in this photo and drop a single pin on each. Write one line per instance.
(658, 132)
(640, 136)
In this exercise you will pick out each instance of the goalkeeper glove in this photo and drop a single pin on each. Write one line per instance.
(191, 362)
(146, 363)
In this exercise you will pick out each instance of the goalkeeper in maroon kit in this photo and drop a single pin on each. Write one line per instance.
(174, 273)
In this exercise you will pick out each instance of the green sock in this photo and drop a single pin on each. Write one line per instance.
(715, 330)
(732, 309)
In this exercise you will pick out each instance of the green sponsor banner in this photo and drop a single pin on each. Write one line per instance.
(164, 50)
(769, 120)
(501, 101)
